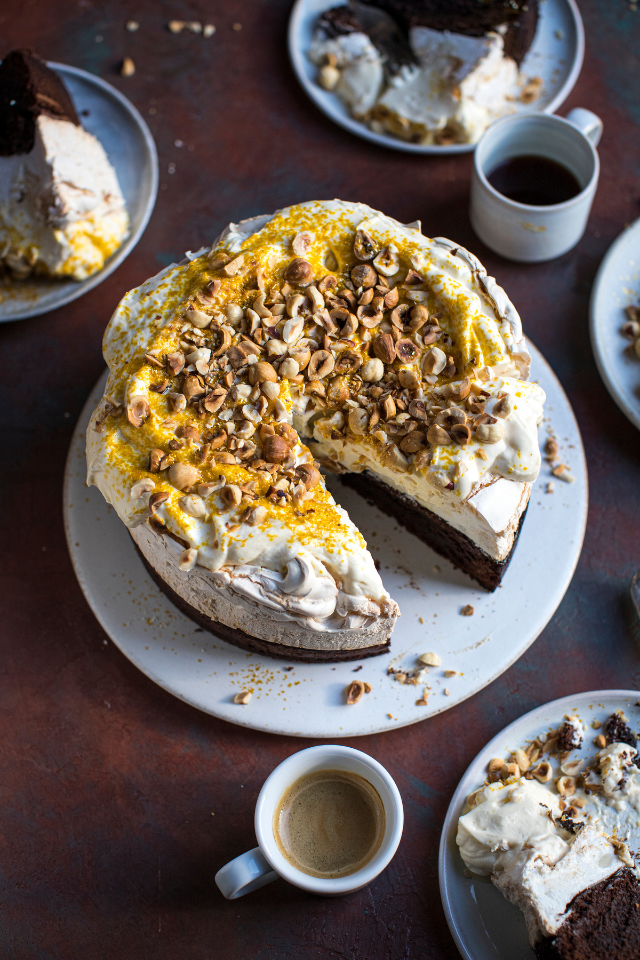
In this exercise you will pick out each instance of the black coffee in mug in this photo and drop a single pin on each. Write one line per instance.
(534, 180)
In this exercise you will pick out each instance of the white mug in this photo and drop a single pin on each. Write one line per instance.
(265, 863)
(521, 231)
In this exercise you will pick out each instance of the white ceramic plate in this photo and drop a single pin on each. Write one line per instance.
(484, 925)
(617, 285)
(307, 699)
(132, 152)
(556, 56)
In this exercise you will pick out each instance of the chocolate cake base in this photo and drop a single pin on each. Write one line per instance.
(433, 530)
(475, 18)
(246, 642)
(603, 923)
(28, 88)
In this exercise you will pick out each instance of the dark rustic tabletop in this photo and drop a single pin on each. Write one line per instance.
(108, 846)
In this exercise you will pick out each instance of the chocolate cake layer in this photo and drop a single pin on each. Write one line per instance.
(603, 923)
(475, 18)
(243, 640)
(28, 88)
(433, 530)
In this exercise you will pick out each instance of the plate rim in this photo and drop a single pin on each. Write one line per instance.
(455, 805)
(606, 374)
(393, 143)
(397, 724)
(114, 261)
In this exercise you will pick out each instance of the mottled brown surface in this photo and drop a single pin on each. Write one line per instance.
(107, 843)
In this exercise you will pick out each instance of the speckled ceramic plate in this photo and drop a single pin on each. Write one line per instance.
(109, 116)
(484, 925)
(617, 285)
(556, 56)
(307, 700)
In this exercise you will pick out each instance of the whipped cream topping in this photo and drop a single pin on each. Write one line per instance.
(459, 85)
(513, 833)
(361, 71)
(254, 545)
(61, 207)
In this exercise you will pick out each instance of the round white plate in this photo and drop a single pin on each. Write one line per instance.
(132, 152)
(484, 925)
(307, 700)
(617, 285)
(556, 56)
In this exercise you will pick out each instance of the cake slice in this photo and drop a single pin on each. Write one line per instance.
(426, 71)
(324, 335)
(558, 846)
(62, 212)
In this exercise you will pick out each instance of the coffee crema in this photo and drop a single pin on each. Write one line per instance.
(329, 823)
(536, 181)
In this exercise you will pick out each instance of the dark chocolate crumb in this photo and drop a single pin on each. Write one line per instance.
(617, 731)
(568, 738)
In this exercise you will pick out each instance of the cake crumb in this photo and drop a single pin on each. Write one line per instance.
(446, 691)
(467, 610)
(451, 673)
(243, 697)
(596, 724)
(127, 68)
(132, 26)
(421, 619)
(237, 27)
(430, 659)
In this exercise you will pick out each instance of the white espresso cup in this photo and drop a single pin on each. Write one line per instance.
(521, 231)
(265, 862)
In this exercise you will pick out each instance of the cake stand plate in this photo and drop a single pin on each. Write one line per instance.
(483, 923)
(555, 56)
(617, 285)
(307, 700)
(126, 138)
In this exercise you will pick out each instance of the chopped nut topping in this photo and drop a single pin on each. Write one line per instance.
(467, 610)
(355, 691)
(243, 697)
(430, 659)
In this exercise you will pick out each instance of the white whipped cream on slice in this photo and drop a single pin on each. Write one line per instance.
(460, 84)
(361, 73)
(61, 206)
(511, 834)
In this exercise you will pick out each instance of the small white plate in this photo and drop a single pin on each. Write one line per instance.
(483, 923)
(617, 285)
(132, 152)
(556, 56)
(307, 700)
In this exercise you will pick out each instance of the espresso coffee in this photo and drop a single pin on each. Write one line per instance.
(329, 823)
(536, 181)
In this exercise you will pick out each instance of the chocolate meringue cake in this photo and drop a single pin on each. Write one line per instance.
(327, 336)
(62, 212)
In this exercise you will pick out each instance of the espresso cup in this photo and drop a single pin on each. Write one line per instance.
(521, 231)
(266, 862)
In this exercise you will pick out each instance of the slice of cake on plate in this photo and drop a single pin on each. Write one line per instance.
(427, 71)
(62, 212)
(555, 841)
(326, 331)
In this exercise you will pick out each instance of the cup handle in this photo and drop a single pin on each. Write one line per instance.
(587, 122)
(246, 873)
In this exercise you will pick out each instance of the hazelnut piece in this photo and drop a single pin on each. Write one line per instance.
(183, 475)
(299, 271)
(275, 449)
